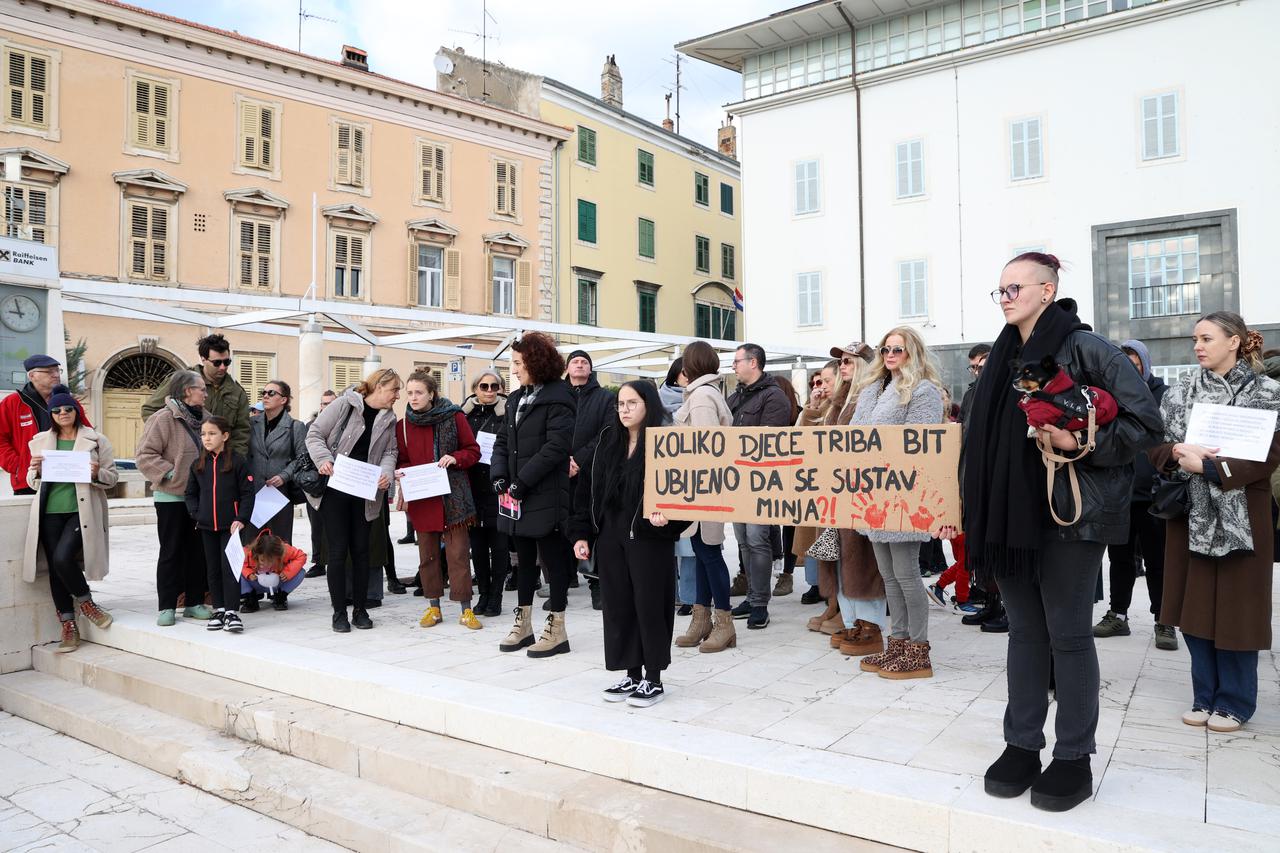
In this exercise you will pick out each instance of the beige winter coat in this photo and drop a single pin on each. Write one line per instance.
(704, 406)
(91, 500)
(167, 448)
(325, 445)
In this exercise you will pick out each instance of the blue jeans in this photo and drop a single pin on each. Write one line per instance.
(687, 575)
(712, 573)
(756, 542)
(811, 571)
(1223, 680)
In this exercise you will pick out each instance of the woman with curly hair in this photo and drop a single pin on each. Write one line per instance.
(530, 471)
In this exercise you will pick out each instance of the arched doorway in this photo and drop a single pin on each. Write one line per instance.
(128, 383)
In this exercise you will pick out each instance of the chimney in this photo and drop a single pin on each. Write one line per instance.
(611, 83)
(727, 139)
(354, 57)
(667, 124)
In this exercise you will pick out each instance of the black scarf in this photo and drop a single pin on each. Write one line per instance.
(1005, 504)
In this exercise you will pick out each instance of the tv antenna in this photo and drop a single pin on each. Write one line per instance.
(677, 87)
(303, 15)
(484, 37)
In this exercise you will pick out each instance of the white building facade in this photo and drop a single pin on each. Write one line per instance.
(1131, 138)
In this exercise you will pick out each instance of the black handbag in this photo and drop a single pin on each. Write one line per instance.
(1170, 497)
(307, 478)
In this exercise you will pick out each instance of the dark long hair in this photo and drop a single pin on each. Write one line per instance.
(224, 427)
(624, 476)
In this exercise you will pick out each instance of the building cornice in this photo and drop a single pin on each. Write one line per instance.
(33, 159)
(149, 180)
(255, 196)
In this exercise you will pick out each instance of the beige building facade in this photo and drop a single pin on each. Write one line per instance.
(192, 180)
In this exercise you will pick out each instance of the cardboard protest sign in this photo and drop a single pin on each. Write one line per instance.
(893, 478)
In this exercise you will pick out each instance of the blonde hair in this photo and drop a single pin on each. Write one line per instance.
(842, 394)
(918, 367)
(378, 379)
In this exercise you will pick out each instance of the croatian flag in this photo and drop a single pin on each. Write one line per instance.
(737, 299)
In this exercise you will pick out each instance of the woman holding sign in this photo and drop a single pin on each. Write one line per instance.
(1218, 556)
(67, 528)
(485, 410)
(435, 432)
(276, 443)
(360, 426)
(1046, 571)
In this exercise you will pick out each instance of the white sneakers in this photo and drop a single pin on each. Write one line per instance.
(1196, 717)
(1215, 722)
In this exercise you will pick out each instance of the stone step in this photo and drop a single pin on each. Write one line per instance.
(352, 812)
(567, 805)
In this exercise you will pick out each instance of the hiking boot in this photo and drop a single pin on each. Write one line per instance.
(815, 623)
(166, 618)
(102, 618)
(699, 628)
(742, 609)
(872, 663)
(468, 620)
(70, 637)
(430, 617)
(1166, 638)
(811, 596)
(1112, 625)
(646, 693)
(759, 618)
(784, 585)
(739, 585)
(912, 663)
(511, 583)
(231, 622)
(722, 636)
(620, 691)
(521, 633)
(554, 639)
(543, 591)
(1013, 773)
(867, 639)
(200, 611)
(1063, 785)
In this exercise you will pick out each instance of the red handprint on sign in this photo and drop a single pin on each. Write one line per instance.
(928, 511)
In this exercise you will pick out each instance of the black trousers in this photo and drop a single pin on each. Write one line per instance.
(62, 543)
(1146, 536)
(180, 566)
(489, 557)
(313, 515)
(556, 560)
(638, 593)
(346, 534)
(224, 585)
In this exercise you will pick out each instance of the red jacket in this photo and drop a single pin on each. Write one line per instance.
(417, 447)
(19, 423)
(292, 562)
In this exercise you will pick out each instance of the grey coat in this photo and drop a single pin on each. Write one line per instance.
(277, 453)
(879, 404)
(324, 445)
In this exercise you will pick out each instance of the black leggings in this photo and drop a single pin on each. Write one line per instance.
(554, 557)
(62, 543)
(224, 586)
(180, 566)
(346, 533)
(490, 558)
(1146, 534)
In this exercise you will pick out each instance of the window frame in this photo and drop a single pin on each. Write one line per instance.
(512, 185)
(238, 220)
(253, 387)
(272, 171)
(653, 238)
(1161, 156)
(582, 206)
(900, 163)
(592, 291)
(445, 199)
(641, 155)
(592, 142)
(1023, 159)
(494, 285)
(728, 271)
(816, 187)
(170, 241)
(705, 187)
(347, 364)
(51, 128)
(49, 226)
(364, 162)
(132, 146)
(363, 284)
(1191, 304)
(699, 243)
(919, 303)
(710, 331)
(651, 292)
(809, 288)
(732, 211)
(418, 246)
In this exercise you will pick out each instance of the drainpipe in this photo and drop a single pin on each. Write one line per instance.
(555, 231)
(857, 117)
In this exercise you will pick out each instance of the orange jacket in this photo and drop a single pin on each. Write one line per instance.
(292, 563)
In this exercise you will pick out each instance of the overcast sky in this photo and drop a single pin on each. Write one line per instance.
(564, 39)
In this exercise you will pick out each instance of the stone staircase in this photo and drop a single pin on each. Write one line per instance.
(363, 782)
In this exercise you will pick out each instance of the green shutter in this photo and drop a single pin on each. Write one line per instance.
(701, 189)
(702, 254)
(646, 238)
(726, 261)
(586, 294)
(644, 167)
(648, 310)
(586, 221)
(586, 145)
(726, 199)
(702, 320)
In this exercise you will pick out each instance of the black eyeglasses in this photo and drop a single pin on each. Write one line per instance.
(975, 369)
(268, 392)
(1011, 292)
(892, 350)
(62, 410)
(489, 386)
(220, 362)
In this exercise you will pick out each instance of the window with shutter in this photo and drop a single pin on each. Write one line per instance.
(148, 240)
(586, 146)
(26, 213)
(727, 261)
(587, 306)
(806, 186)
(453, 279)
(26, 88)
(702, 254)
(257, 135)
(255, 266)
(913, 289)
(713, 321)
(701, 189)
(430, 276)
(809, 299)
(152, 106)
(1160, 126)
(586, 221)
(348, 265)
(349, 155)
(644, 167)
(345, 372)
(253, 372)
(646, 238)
(524, 288)
(432, 166)
(726, 198)
(503, 285)
(648, 308)
(910, 160)
(1026, 156)
(506, 177)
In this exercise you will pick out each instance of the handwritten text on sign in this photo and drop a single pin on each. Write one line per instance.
(895, 478)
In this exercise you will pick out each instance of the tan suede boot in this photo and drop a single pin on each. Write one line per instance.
(912, 663)
(867, 640)
(521, 633)
(832, 611)
(872, 663)
(554, 639)
(699, 628)
(723, 636)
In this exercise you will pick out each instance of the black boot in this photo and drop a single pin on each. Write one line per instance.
(249, 604)
(1013, 773)
(341, 624)
(998, 624)
(990, 610)
(395, 587)
(360, 618)
(482, 601)
(1063, 785)
(409, 538)
(280, 601)
(511, 583)
(596, 604)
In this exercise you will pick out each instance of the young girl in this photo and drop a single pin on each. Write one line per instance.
(220, 498)
(273, 567)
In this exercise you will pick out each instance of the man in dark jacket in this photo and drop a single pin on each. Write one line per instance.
(24, 413)
(1146, 534)
(977, 360)
(596, 406)
(227, 397)
(759, 401)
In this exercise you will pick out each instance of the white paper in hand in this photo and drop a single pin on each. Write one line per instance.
(1237, 432)
(235, 554)
(485, 440)
(358, 479)
(266, 503)
(424, 481)
(65, 466)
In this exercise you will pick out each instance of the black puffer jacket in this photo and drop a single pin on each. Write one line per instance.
(483, 418)
(1106, 475)
(595, 405)
(590, 505)
(534, 457)
(762, 403)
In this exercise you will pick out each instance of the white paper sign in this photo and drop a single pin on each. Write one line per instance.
(235, 554)
(65, 466)
(1240, 433)
(266, 503)
(424, 481)
(485, 440)
(358, 479)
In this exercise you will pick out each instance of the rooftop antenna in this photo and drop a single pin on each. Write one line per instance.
(484, 37)
(303, 15)
(677, 88)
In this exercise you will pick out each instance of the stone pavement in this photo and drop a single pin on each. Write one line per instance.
(57, 793)
(785, 685)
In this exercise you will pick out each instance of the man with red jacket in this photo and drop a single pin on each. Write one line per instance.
(25, 413)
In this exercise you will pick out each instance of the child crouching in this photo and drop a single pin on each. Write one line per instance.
(273, 567)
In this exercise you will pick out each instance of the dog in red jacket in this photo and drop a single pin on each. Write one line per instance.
(1051, 397)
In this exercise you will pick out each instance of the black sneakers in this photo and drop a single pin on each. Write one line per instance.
(340, 623)
(216, 621)
(620, 691)
(759, 618)
(231, 622)
(1014, 772)
(742, 609)
(360, 618)
(646, 693)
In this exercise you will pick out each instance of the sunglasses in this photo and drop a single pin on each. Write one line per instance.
(815, 383)
(62, 410)
(220, 362)
(267, 392)
(892, 351)
(489, 386)
(849, 359)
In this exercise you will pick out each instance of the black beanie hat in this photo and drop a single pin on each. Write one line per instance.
(578, 353)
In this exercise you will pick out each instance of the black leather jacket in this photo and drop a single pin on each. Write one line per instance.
(1106, 474)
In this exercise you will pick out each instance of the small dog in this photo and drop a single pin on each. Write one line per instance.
(1051, 396)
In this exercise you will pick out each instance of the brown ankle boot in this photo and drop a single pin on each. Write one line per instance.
(521, 632)
(554, 639)
(867, 641)
(841, 636)
(699, 628)
(722, 636)
(873, 663)
(832, 611)
(912, 663)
